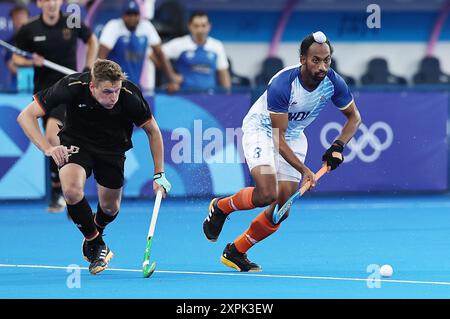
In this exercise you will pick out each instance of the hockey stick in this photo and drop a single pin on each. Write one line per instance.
(148, 268)
(28, 55)
(279, 213)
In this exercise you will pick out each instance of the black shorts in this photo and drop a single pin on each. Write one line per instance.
(58, 113)
(108, 168)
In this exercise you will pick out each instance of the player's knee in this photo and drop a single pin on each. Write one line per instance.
(265, 196)
(73, 195)
(270, 198)
(110, 208)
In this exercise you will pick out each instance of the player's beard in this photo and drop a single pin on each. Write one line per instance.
(131, 28)
(317, 77)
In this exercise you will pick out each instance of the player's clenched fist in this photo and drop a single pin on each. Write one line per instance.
(333, 156)
(308, 176)
(160, 180)
(60, 154)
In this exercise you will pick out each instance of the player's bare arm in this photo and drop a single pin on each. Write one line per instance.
(279, 124)
(12, 67)
(353, 121)
(91, 50)
(224, 78)
(28, 120)
(155, 61)
(103, 51)
(158, 64)
(166, 67)
(21, 61)
(153, 132)
(334, 154)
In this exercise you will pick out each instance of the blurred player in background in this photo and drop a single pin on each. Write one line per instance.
(50, 36)
(19, 15)
(199, 58)
(102, 107)
(129, 41)
(275, 146)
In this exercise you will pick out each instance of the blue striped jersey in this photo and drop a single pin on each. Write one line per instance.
(129, 49)
(286, 94)
(198, 64)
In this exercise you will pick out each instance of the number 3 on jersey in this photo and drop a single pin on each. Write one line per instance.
(257, 152)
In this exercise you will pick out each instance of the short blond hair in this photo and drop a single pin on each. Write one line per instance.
(106, 70)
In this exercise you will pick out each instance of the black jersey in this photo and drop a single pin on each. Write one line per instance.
(57, 43)
(88, 124)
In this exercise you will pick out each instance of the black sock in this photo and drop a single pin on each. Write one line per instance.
(56, 190)
(96, 241)
(81, 215)
(54, 173)
(102, 219)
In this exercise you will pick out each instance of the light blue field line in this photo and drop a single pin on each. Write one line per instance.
(177, 272)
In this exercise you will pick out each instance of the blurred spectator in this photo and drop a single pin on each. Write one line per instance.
(237, 81)
(378, 73)
(199, 58)
(19, 15)
(128, 41)
(47, 36)
(348, 79)
(430, 72)
(270, 67)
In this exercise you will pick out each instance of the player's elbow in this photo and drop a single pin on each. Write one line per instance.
(21, 118)
(358, 119)
(158, 52)
(92, 52)
(152, 129)
(354, 117)
(93, 42)
(26, 117)
(16, 60)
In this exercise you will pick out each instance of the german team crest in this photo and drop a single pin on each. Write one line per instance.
(67, 34)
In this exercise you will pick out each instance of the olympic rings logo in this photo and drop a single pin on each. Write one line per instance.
(357, 145)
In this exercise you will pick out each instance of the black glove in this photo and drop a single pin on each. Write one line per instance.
(333, 161)
(86, 69)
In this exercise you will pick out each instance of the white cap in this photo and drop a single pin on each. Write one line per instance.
(319, 37)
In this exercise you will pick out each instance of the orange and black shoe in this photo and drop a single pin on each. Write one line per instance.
(231, 257)
(212, 226)
(101, 255)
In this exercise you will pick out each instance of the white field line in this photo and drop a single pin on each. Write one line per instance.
(204, 273)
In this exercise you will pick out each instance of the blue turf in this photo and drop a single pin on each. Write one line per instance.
(323, 237)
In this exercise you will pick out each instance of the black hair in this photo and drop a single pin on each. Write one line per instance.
(17, 8)
(308, 41)
(198, 13)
